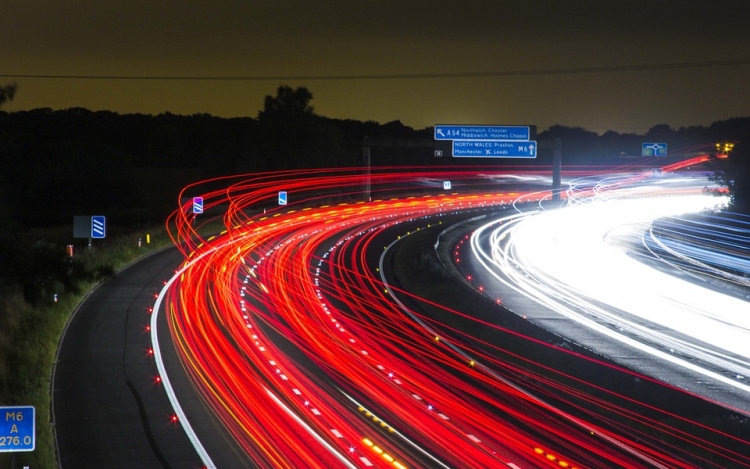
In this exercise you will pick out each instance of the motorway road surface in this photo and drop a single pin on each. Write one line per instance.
(123, 419)
(109, 412)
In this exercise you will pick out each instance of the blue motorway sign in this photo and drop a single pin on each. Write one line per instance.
(17, 428)
(282, 198)
(482, 132)
(98, 227)
(494, 149)
(654, 149)
(197, 205)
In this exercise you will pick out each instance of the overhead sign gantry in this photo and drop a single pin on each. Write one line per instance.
(486, 141)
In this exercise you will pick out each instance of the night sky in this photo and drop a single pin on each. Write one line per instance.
(598, 64)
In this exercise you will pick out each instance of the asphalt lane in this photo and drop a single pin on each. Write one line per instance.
(108, 409)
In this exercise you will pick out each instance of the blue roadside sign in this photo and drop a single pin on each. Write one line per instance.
(653, 149)
(197, 205)
(98, 227)
(494, 149)
(17, 429)
(482, 132)
(282, 198)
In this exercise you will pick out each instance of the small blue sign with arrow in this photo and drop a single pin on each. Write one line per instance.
(98, 227)
(653, 149)
(197, 205)
(482, 132)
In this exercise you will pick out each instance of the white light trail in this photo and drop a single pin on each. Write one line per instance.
(581, 261)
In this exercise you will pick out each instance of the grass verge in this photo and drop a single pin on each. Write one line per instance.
(30, 335)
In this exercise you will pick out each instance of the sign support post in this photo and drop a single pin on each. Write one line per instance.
(556, 170)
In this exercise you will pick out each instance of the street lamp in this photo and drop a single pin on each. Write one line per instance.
(723, 149)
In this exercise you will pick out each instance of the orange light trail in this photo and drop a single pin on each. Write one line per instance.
(286, 330)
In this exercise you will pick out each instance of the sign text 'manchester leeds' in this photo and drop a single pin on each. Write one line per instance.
(494, 149)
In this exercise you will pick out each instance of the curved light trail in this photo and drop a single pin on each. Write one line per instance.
(584, 261)
(293, 340)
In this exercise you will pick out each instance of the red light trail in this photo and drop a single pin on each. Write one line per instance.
(286, 329)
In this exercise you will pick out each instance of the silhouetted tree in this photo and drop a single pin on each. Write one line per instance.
(660, 133)
(290, 135)
(734, 173)
(7, 93)
(734, 129)
(164, 145)
(287, 103)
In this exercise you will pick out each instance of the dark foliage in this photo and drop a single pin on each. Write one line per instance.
(56, 164)
(733, 172)
(7, 93)
(289, 135)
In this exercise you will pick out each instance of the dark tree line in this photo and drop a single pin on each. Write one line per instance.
(56, 164)
(581, 146)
